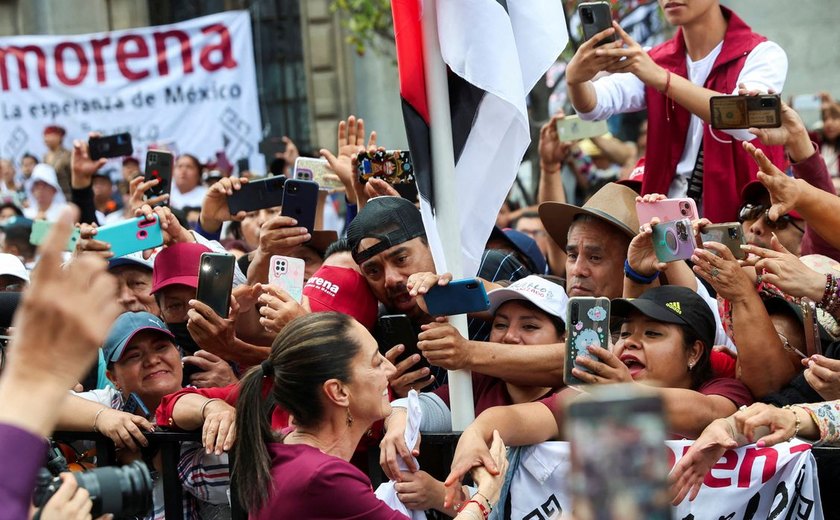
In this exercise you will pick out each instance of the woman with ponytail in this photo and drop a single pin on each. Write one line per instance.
(326, 371)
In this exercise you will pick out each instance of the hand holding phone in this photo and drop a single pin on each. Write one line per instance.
(215, 281)
(457, 297)
(317, 170)
(595, 17)
(392, 166)
(110, 146)
(300, 202)
(158, 167)
(287, 273)
(666, 210)
(674, 240)
(730, 234)
(134, 405)
(131, 236)
(258, 194)
(396, 329)
(588, 324)
(738, 112)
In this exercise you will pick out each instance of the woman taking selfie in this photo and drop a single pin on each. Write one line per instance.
(326, 370)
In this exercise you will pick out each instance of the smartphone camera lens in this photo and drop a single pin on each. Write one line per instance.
(152, 159)
(586, 15)
(574, 312)
(471, 286)
(682, 231)
(768, 102)
(733, 233)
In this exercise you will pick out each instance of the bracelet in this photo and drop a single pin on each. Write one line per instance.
(484, 512)
(205, 406)
(636, 277)
(798, 421)
(489, 505)
(830, 283)
(667, 83)
(96, 418)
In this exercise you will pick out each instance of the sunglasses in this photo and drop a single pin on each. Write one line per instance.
(756, 211)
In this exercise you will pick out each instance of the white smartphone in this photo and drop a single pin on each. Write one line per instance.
(286, 273)
(573, 128)
(318, 170)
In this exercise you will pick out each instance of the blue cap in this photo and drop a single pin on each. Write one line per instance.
(528, 247)
(125, 327)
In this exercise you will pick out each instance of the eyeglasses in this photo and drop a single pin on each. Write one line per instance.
(756, 211)
(790, 348)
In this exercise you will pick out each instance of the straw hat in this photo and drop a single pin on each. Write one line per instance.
(613, 204)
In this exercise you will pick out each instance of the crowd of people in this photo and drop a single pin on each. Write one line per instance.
(299, 391)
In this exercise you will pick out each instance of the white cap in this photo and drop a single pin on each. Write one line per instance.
(46, 174)
(11, 265)
(546, 295)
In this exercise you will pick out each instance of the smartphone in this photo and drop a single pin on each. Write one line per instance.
(457, 297)
(396, 329)
(215, 281)
(131, 236)
(392, 166)
(188, 371)
(109, 146)
(40, 228)
(135, 405)
(317, 170)
(619, 459)
(286, 273)
(573, 128)
(588, 322)
(731, 112)
(666, 210)
(594, 18)
(730, 234)
(158, 166)
(243, 165)
(257, 195)
(300, 201)
(813, 343)
(673, 240)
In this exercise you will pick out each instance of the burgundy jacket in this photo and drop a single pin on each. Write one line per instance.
(726, 166)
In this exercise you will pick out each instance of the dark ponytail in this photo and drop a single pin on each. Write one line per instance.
(308, 351)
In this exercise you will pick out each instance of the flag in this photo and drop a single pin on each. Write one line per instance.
(496, 51)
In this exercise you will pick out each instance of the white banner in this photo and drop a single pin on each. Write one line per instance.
(189, 87)
(749, 483)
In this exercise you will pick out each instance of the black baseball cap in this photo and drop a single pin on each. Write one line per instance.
(671, 304)
(392, 220)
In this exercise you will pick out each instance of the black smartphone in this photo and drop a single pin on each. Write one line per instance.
(158, 166)
(396, 329)
(243, 165)
(135, 405)
(594, 18)
(457, 297)
(300, 201)
(733, 112)
(256, 195)
(215, 281)
(188, 371)
(109, 146)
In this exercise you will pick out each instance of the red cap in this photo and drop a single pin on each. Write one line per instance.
(344, 290)
(177, 264)
(634, 181)
(753, 191)
(54, 129)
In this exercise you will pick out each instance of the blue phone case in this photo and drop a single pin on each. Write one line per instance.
(457, 297)
(131, 236)
(135, 405)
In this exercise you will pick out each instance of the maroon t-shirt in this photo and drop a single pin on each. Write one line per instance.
(307, 483)
(487, 392)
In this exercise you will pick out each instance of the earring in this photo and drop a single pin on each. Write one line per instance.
(690, 366)
(349, 418)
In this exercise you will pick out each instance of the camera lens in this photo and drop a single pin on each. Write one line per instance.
(733, 233)
(471, 286)
(768, 102)
(671, 241)
(681, 230)
(586, 15)
(574, 312)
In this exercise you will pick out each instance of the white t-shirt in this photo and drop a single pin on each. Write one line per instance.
(765, 68)
(190, 199)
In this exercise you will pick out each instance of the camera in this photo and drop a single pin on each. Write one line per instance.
(682, 231)
(122, 491)
(768, 102)
(586, 15)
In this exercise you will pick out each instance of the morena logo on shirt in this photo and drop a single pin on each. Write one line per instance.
(324, 285)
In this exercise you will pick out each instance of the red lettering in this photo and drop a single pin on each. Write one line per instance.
(59, 63)
(19, 54)
(799, 448)
(223, 48)
(729, 464)
(123, 55)
(771, 456)
(186, 51)
(98, 62)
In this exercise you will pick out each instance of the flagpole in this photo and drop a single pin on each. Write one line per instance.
(446, 198)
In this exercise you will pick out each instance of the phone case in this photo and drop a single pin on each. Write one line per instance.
(673, 240)
(588, 322)
(317, 170)
(605, 475)
(257, 195)
(392, 166)
(594, 18)
(666, 210)
(40, 228)
(813, 341)
(287, 273)
(457, 297)
(134, 405)
(573, 128)
(730, 234)
(131, 236)
(300, 201)
(731, 112)
(396, 329)
(158, 166)
(109, 146)
(215, 281)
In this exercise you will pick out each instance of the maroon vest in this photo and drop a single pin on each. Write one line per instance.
(726, 166)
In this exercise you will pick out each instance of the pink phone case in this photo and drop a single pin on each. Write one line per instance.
(667, 210)
(286, 273)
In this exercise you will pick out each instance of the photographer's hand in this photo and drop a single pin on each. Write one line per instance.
(70, 502)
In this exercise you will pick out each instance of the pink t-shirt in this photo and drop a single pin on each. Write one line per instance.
(308, 483)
